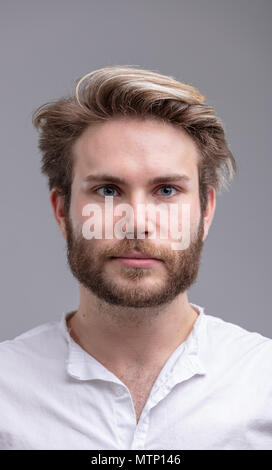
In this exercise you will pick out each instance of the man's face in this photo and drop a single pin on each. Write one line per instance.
(135, 151)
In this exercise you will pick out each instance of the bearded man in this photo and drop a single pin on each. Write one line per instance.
(136, 366)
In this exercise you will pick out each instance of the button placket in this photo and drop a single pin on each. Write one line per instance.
(124, 415)
(140, 434)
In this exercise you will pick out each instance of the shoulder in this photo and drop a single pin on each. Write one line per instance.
(32, 345)
(233, 332)
(230, 342)
(28, 363)
(31, 366)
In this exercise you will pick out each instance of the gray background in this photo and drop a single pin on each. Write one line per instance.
(222, 48)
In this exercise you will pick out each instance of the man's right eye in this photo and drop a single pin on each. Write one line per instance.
(107, 190)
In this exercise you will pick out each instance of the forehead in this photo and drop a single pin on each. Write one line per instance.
(134, 147)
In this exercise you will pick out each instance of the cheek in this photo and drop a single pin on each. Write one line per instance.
(81, 210)
(188, 213)
(76, 206)
(195, 217)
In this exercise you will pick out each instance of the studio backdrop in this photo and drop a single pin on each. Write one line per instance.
(221, 47)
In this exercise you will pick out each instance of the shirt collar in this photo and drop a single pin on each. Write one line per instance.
(184, 362)
(187, 359)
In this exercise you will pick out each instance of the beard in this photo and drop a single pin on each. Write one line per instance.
(132, 287)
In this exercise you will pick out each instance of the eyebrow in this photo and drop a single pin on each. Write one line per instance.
(159, 179)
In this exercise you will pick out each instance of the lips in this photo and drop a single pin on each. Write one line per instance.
(137, 262)
(135, 255)
(135, 259)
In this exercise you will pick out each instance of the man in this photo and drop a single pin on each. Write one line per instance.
(136, 366)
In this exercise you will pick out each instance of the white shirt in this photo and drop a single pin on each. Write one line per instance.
(214, 392)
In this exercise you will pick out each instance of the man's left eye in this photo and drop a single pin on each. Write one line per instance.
(166, 190)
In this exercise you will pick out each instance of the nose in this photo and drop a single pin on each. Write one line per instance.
(139, 225)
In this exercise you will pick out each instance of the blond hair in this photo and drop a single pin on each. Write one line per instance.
(114, 91)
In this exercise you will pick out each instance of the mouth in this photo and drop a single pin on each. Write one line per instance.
(136, 254)
(136, 260)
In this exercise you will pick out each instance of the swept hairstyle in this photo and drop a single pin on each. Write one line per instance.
(126, 91)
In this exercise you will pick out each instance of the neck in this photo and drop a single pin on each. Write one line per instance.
(120, 337)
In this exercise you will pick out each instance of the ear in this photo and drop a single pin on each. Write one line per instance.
(57, 202)
(209, 212)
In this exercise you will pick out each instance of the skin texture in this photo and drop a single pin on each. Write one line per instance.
(132, 319)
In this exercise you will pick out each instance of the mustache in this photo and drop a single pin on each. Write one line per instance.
(141, 246)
